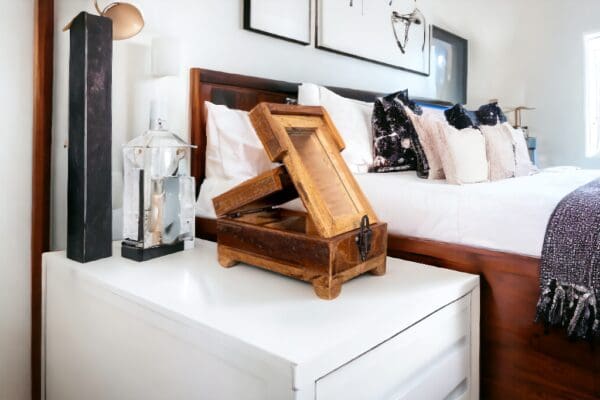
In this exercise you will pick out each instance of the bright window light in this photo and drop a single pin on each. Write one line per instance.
(592, 87)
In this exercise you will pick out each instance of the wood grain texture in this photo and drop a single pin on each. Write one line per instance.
(43, 61)
(326, 263)
(518, 360)
(308, 144)
(272, 188)
(89, 183)
(320, 246)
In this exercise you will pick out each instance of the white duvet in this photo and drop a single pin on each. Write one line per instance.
(509, 215)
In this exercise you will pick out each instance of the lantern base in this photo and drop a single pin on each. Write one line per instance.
(141, 254)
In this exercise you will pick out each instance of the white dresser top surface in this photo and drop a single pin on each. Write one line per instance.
(271, 312)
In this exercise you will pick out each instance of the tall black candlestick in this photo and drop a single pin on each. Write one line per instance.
(89, 226)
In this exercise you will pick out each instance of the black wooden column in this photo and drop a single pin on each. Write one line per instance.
(89, 231)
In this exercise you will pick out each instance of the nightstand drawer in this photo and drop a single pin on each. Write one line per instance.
(429, 360)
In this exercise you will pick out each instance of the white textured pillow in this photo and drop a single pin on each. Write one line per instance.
(352, 118)
(463, 154)
(500, 151)
(233, 149)
(524, 166)
(308, 95)
(426, 128)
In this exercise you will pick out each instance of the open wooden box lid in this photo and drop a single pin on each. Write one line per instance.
(267, 190)
(307, 143)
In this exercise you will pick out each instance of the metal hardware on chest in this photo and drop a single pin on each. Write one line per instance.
(239, 214)
(363, 239)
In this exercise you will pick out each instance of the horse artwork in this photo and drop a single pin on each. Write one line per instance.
(387, 32)
(405, 22)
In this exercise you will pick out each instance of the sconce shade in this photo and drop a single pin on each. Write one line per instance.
(127, 20)
(166, 56)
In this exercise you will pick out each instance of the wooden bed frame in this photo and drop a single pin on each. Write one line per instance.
(518, 359)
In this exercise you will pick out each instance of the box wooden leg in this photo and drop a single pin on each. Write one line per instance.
(225, 260)
(327, 289)
(379, 270)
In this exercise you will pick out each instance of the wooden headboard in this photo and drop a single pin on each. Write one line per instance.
(243, 93)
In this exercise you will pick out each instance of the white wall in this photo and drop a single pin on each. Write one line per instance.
(212, 37)
(16, 94)
(554, 68)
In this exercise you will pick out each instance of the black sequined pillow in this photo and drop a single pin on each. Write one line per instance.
(461, 118)
(490, 114)
(403, 97)
(396, 143)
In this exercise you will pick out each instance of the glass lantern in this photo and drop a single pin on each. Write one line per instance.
(158, 196)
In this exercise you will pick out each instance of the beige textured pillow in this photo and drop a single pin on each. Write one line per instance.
(463, 154)
(500, 151)
(425, 126)
(524, 166)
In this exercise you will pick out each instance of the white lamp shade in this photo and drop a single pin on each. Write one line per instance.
(166, 54)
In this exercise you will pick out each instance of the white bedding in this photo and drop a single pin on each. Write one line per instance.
(509, 215)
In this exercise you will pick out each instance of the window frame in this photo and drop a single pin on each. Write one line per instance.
(592, 94)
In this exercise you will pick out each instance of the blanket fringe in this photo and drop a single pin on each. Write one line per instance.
(570, 306)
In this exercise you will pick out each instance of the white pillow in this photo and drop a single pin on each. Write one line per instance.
(500, 151)
(233, 149)
(463, 154)
(308, 95)
(211, 188)
(352, 118)
(524, 166)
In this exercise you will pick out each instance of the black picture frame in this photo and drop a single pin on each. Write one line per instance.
(248, 25)
(320, 46)
(460, 47)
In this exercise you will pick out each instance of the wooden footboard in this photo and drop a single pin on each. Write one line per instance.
(518, 359)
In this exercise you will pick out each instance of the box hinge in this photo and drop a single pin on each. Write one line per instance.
(239, 214)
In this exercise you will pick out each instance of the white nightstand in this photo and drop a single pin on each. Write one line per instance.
(182, 327)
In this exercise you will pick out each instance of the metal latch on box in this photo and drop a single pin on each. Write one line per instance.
(363, 239)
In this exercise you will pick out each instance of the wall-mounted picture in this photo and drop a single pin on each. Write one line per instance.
(391, 33)
(449, 66)
(283, 19)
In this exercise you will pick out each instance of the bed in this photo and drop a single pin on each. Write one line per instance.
(508, 215)
(465, 228)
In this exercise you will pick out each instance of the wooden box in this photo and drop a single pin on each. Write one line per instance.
(335, 240)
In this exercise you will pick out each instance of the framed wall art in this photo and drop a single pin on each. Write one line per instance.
(282, 19)
(391, 33)
(449, 66)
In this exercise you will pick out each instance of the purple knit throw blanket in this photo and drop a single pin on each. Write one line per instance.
(570, 265)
